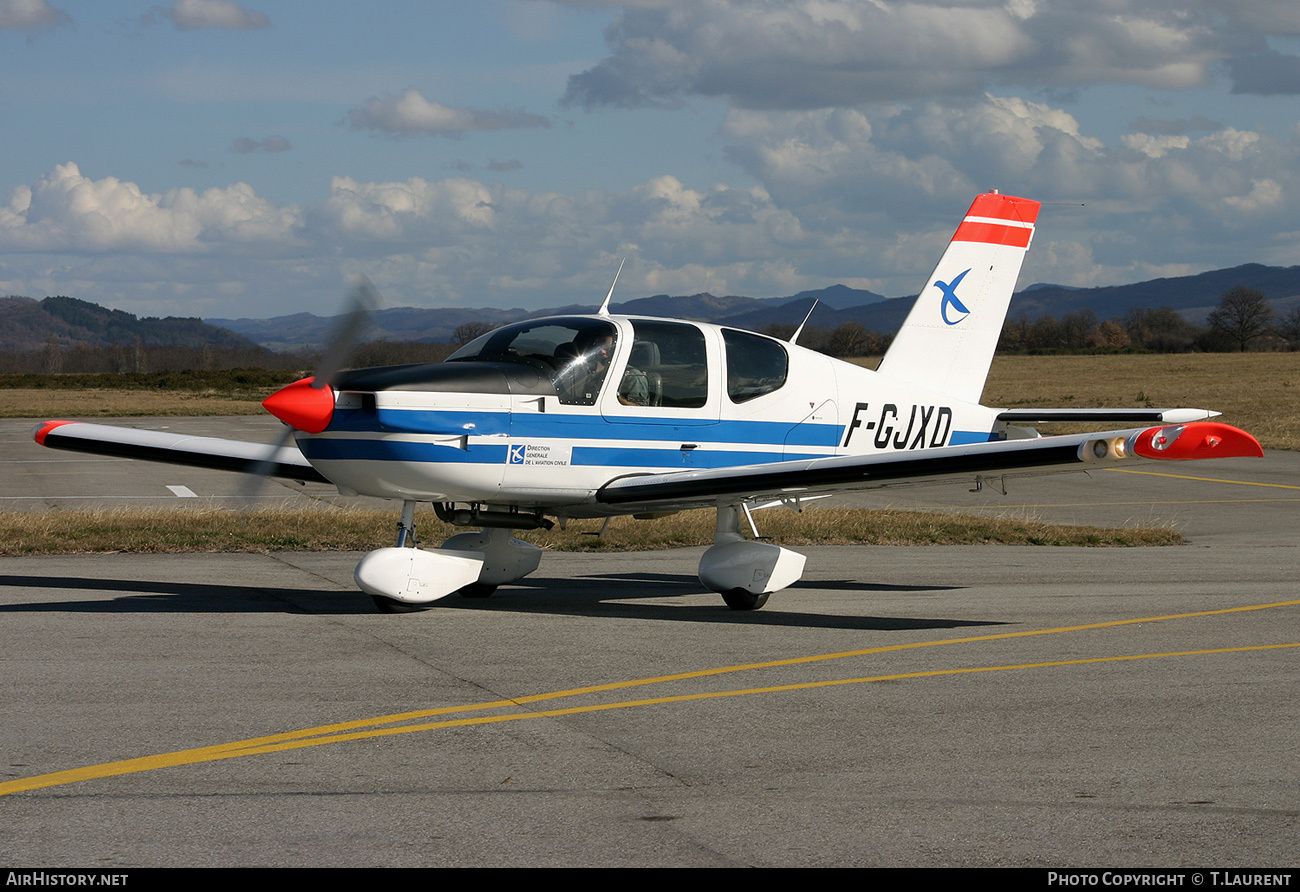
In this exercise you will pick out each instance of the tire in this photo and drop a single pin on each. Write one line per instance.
(739, 599)
(476, 590)
(389, 605)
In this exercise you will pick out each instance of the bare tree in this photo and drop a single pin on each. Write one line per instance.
(1288, 327)
(468, 331)
(849, 339)
(1242, 315)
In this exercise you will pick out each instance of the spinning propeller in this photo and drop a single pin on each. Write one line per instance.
(308, 405)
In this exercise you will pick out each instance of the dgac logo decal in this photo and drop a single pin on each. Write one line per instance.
(950, 300)
(927, 426)
(516, 455)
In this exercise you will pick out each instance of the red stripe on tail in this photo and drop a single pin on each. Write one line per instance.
(993, 234)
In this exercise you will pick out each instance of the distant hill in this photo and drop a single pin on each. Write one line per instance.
(838, 297)
(438, 324)
(27, 325)
(1193, 296)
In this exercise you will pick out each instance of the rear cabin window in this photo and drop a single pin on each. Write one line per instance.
(756, 365)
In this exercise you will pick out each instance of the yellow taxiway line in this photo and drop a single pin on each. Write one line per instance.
(366, 728)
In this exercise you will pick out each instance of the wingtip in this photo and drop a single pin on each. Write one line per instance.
(1201, 439)
(41, 431)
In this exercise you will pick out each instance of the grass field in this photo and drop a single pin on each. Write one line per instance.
(1259, 392)
(148, 531)
(84, 405)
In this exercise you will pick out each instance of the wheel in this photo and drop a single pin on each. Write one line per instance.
(389, 605)
(739, 599)
(476, 590)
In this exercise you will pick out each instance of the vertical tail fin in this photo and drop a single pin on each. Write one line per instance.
(948, 340)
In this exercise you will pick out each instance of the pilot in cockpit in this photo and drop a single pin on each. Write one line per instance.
(583, 376)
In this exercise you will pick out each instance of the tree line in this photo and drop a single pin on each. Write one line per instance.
(1243, 320)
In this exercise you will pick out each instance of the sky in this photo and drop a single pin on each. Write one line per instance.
(230, 159)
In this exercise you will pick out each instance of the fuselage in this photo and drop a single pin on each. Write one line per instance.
(541, 414)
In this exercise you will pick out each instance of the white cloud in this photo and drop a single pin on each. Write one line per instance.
(27, 14)
(892, 176)
(1264, 194)
(415, 209)
(806, 54)
(412, 113)
(866, 197)
(66, 211)
(423, 242)
(189, 15)
(1154, 146)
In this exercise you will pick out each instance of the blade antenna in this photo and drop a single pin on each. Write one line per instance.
(794, 337)
(604, 308)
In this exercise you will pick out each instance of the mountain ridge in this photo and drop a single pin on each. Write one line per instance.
(27, 324)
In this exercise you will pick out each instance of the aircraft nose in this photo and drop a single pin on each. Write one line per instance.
(304, 405)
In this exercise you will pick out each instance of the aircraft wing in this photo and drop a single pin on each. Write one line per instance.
(801, 479)
(177, 449)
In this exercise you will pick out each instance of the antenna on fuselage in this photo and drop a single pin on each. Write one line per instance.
(604, 308)
(794, 337)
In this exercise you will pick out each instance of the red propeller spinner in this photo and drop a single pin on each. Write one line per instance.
(303, 405)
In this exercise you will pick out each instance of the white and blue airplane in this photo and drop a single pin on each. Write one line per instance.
(603, 415)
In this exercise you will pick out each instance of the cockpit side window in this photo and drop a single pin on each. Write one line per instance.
(756, 366)
(574, 353)
(668, 366)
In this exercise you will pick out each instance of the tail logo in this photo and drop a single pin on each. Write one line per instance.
(950, 300)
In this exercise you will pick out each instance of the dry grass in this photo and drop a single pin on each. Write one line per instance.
(148, 531)
(86, 404)
(1259, 392)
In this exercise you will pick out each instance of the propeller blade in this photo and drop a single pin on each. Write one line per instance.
(251, 486)
(295, 407)
(362, 302)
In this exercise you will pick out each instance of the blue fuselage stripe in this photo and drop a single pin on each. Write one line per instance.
(583, 427)
(769, 439)
(615, 457)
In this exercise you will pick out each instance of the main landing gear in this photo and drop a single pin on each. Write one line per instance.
(406, 579)
(746, 572)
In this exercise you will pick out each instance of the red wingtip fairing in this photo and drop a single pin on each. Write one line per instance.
(1200, 439)
(302, 405)
(41, 430)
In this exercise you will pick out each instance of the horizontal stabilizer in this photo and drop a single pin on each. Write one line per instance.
(1104, 416)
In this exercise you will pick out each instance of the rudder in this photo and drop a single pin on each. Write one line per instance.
(947, 342)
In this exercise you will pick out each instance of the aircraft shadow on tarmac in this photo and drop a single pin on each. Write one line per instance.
(598, 595)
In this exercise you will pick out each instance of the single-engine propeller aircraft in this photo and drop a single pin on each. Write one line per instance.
(602, 415)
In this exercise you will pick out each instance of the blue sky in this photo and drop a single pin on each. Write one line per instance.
(222, 159)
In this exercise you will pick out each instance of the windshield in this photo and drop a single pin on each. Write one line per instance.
(574, 353)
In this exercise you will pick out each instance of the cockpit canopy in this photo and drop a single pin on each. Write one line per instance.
(574, 353)
(667, 364)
